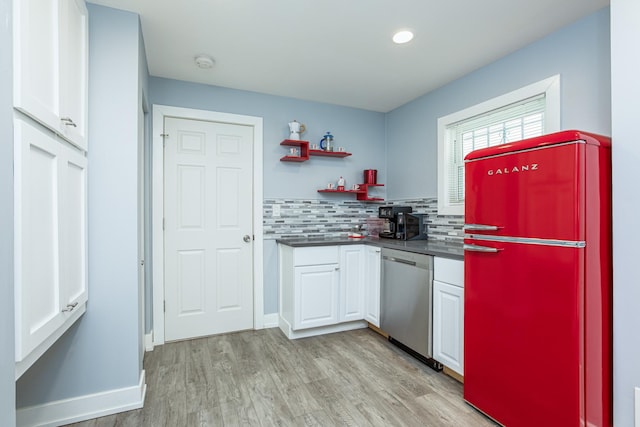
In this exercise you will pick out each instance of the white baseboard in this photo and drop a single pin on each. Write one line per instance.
(637, 410)
(148, 342)
(287, 329)
(270, 320)
(83, 408)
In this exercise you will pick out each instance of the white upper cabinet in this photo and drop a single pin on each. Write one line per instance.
(51, 65)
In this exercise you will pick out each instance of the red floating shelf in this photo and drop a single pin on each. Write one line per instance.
(362, 193)
(323, 153)
(304, 150)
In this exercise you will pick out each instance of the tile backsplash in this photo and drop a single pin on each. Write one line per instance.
(328, 218)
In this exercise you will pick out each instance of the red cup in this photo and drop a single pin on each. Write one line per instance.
(370, 176)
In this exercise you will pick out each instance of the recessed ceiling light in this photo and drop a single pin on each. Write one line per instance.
(204, 61)
(402, 37)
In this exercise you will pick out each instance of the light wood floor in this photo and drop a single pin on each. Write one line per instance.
(260, 378)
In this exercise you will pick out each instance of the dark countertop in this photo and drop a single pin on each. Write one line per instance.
(427, 247)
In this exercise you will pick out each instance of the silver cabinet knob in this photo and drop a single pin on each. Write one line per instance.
(246, 238)
(67, 121)
(70, 307)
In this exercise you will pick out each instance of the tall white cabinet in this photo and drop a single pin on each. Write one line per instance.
(50, 163)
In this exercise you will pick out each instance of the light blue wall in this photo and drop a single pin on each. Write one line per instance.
(101, 352)
(361, 132)
(7, 356)
(625, 91)
(578, 52)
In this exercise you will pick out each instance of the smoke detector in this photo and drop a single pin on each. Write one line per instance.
(204, 61)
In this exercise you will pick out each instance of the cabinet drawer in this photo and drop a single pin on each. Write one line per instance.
(449, 271)
(316, 255)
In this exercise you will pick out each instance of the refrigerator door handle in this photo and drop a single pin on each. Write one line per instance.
(478, 248)
(480, 227)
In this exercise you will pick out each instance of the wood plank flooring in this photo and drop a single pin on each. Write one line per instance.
(260, 378)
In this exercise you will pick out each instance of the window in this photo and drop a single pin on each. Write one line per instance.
(531, 111)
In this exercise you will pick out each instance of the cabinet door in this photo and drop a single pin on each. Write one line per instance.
(448, 323)
(316, 296)
(36, 59)
(51, 65)
(73, 71)
(352, 261)
(37, 207)
(73, 228)
(50, 236)
(372, 285)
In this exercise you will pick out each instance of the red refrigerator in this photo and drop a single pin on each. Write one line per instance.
(537, 274)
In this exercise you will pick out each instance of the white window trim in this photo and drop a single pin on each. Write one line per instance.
(550, 87)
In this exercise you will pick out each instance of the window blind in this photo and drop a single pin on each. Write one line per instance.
(520, 120)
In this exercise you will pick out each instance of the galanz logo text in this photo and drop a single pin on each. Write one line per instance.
(514, 169)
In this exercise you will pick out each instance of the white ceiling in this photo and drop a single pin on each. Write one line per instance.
(340, 51)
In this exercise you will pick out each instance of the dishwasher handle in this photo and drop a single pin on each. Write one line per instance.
(400, 260)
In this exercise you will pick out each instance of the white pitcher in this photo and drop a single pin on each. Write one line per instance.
(296, 129)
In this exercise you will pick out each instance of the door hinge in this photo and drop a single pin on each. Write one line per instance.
(164, 306)
(163, 224)
(164, 135)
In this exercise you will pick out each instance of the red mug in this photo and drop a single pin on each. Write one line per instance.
(370, 176)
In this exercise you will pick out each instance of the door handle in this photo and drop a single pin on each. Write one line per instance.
(480, 227)
(477, 248)
(400, 260)
(246, 238)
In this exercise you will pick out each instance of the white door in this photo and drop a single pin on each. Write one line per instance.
(141, 225)
(208, 228)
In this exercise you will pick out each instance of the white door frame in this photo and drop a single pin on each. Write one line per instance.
(159, 113)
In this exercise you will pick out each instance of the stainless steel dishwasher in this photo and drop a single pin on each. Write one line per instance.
(406, 302)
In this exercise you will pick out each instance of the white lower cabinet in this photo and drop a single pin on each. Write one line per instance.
(372, 285)
(323, 289)
(50, 240)
(448, 313)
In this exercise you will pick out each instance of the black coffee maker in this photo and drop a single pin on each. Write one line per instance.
(390, 216)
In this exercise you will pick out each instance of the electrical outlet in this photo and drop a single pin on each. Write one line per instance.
(276, 210)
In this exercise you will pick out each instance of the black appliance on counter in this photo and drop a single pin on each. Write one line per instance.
(411, 226)
(401, 224)
(390, 216)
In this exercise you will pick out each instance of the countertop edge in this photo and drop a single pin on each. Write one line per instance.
(426, 247)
